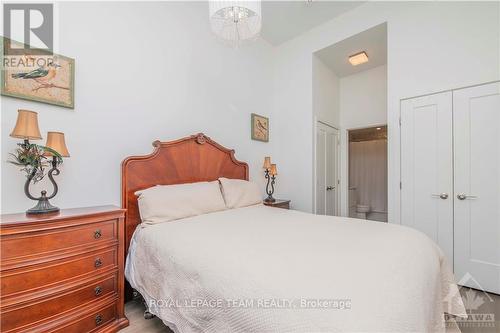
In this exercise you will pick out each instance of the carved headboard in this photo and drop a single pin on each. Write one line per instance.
(192, 159)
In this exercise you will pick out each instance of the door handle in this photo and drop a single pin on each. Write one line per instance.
(463, 196)
(443, 196)
(329, 188)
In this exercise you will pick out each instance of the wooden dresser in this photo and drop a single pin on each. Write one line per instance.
(63, 272)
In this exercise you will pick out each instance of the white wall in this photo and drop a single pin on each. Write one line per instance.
(293, 119)
(154, 70)
(326, 93)
(363, 98)
(144, 71)
(432, 46)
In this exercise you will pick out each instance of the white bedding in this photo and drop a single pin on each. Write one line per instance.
(257, 265)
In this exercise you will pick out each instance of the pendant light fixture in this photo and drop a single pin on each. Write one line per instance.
(235, 21)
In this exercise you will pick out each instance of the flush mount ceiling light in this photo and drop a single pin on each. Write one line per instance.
(235, 21)
(358, 58)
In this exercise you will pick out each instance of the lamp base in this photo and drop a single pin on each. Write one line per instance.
(269, 199)
(43, 206)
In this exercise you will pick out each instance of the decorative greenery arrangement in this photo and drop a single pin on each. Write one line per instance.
(30, 157)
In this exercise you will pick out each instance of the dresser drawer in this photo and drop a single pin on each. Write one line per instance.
(54, 306)
(43, 276)
(36, 243)
(90, 322)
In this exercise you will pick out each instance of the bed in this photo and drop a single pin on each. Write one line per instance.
(262, 269)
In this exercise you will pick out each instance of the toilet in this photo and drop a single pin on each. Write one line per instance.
(353, 201)
(361, 211)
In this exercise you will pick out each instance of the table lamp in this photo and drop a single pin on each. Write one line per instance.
(270, 173)
(32, 156)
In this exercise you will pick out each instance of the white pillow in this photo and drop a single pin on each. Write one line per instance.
(164, 203)
(240, 193)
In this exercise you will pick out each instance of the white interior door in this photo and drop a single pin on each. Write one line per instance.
(427, 168)
(476, 115)
(327, 170)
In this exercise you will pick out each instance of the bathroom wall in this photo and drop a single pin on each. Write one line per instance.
(368, 177)
(363, 98)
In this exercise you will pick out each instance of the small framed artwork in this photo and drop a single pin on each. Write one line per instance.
(260, 128)
(47, 78)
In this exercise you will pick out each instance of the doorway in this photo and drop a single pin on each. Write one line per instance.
(327, 170)
(367, 173)
(349, 94)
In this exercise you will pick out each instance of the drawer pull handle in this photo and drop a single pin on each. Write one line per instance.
(98, 263)
(97, 290)
(97, 234)
(98, 320)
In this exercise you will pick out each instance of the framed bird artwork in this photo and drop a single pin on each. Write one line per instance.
(47, 78)
(260, 128)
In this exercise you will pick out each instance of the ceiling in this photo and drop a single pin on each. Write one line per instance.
(368, 134)
(284, 20)
(373, 41)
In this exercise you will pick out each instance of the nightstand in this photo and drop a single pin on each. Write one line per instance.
(63, 272)
(285, 204)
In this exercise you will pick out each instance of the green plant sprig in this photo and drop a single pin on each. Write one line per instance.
(30, 157)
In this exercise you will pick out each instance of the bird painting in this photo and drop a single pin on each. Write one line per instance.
(260, 128)
(42, 75)
(37, 75)
(47, 78)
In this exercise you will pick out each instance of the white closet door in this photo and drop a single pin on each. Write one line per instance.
(476, 113)
(327, 162)
(427, 168)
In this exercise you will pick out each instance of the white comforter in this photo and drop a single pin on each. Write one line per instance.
(261, 269)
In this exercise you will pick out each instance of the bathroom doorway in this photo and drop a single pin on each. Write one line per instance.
(367, 173)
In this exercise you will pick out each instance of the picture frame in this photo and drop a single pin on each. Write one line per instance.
(57, 87)
(259, 128)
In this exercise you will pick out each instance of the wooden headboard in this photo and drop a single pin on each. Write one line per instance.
(192, 159)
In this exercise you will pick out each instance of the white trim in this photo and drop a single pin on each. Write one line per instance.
(326, 124)
(315, 131)
(344, 172)
(452, 89)
(365, 126)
